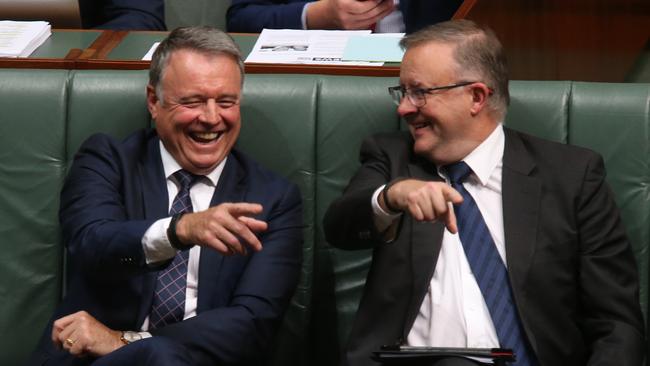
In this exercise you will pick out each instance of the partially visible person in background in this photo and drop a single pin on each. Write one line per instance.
(123, 14)
(383, 16)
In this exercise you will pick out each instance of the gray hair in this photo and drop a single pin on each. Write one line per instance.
(477, 52)
(204, 39)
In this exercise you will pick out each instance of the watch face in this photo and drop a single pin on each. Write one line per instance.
(132, 336)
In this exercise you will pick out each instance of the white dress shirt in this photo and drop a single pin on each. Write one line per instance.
(155, 243)
(454, 313)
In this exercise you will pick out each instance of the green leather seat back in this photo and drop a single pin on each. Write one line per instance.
(349, 109)
(307, 128)
(107, 101)
(278, 130)
(618, 127)
(32, 157)
(540, 108)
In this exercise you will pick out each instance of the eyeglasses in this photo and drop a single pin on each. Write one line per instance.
(418, 96)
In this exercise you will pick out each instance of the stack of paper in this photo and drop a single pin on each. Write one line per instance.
(323, 47)
(20, 39)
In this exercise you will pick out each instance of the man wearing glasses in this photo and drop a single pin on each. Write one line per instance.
(482, 236)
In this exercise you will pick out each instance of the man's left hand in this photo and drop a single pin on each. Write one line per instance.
(81, 334)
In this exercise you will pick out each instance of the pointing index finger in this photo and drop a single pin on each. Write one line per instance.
(244, 208)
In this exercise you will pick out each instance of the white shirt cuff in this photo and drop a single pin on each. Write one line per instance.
(382, 218)
(155, 243)
(303, 16)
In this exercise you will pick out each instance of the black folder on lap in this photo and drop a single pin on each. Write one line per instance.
(409, 355)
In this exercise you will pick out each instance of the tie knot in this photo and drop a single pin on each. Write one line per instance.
(457, 172)
(185, 178)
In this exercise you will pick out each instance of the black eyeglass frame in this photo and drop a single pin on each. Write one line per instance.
(403, 92)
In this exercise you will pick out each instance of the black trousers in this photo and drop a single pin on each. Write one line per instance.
(154, 351)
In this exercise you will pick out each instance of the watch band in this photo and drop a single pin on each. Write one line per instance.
(173, 237)
(128, 337)
(124, 340)
(388, 185)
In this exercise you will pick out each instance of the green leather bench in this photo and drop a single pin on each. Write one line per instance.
(306, 127)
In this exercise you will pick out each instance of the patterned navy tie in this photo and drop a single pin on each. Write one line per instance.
(169, 298)
(488, 268)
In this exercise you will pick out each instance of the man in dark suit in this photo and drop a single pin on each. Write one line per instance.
(176, 208)
(540, 213)
(385, 15)
(123, 14)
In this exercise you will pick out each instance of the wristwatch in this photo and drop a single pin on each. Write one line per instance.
(130, 337)
(171, 233)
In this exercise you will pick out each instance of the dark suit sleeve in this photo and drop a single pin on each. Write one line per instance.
(418, 14)
(102, 239)
(348, 221)
(613, 323)
(123, 14)
(252, 16)
(241, 332)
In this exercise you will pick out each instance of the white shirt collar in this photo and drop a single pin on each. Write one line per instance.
(171, 166)
(487, 156)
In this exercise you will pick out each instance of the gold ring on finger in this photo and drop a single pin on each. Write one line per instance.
(69, 342)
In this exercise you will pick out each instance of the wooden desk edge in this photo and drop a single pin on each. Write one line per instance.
(250, 68)
(94, 58)
(37, 63)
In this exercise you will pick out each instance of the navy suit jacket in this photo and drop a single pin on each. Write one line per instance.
(123, 14)
(114, 192)
(254, 15)
(570, 265)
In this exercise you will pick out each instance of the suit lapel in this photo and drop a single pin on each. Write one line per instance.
(426, 240)
(230, 188)
(154, 183)
(521, 201)
(155, 202)
(521, 195)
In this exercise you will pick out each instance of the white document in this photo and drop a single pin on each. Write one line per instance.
(292, 46)
(20, 39)
(149, 54)
(374, 47)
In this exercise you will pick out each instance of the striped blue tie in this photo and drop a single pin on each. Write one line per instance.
(169, 297)
(488, 268)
